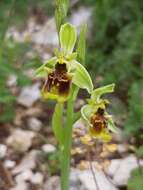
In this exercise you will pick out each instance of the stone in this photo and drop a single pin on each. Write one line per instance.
(40, 35)
(122, 148)
(82, 15)
(37, 178)
(20, 186)
(3, 150)
(26, 175)
(88, 182)
(20, 140)
(74, 179)
(29, 176)
(12, 81)
(34, 124)
(120, 169)
(48, 148)
(29, 95)
(27, 163)
(9, 164)
(53, 183)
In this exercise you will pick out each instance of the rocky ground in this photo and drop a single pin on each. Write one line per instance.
(28, 149)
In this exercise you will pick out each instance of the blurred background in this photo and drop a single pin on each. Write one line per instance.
(29, 158)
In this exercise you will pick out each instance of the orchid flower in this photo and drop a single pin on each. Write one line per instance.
(63, 70)
(99, 122)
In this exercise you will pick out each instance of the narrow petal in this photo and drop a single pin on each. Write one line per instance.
(86, 112)
(46, 67)
(96, 94)
(111, 125)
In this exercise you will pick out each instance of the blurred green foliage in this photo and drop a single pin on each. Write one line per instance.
(13, 59)
(13, 62)
(115, 52)
(136, 179)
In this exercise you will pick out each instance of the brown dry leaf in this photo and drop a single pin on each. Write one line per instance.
(83, 165)
(87, 140)
(104, 154)
(97, 166)
(5, 178)
(76, 150)
(77, 132)
(110, 147)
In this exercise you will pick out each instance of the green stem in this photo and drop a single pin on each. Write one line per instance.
(65, 157)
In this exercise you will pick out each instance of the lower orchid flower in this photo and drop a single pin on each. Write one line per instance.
(99, 122)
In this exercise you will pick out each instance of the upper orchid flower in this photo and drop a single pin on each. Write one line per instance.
(63, 69)
(99, 122)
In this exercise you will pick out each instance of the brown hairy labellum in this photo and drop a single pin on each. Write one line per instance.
(98, 121)
(58, 81)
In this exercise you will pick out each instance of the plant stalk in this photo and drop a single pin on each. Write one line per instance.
(66, 152)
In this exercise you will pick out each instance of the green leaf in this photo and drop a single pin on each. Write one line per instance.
(81, 47)
(8, 113)
(46, 67)
(57, 123)
(97, 93)
(68, 36)
(136, 180)
(81, 77)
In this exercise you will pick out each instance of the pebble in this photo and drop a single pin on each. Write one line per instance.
(48, 148)
(53, 183)
(20, 140)
(37, 178)
(82, 15)
(120, 169)
(24, 176)
(86, 179)
(20, 186)
(9, 164)
(27, 163)
(34, 124)
(29, 95)
(122, 148)
(3, 150)
(12, 80)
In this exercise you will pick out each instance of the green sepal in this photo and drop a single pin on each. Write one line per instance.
(44, 69)
(81, 77)
(68, 36)
(97, 93)
(111, 126)
(86, 112)
(57, 123)
(57, 53)
(71, 56)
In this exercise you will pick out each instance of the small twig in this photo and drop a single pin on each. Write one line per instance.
(92, 169)
(5, 177)
(107, 177)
